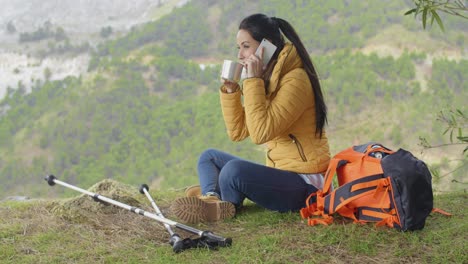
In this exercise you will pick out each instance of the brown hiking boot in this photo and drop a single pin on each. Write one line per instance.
(193, 191)
(204, 208)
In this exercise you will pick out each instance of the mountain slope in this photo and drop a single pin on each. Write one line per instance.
(145, 109)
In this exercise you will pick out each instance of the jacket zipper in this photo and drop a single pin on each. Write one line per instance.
(268, 155)
(299, 147)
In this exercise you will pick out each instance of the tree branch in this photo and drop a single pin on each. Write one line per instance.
(448, 173)
(443, 145)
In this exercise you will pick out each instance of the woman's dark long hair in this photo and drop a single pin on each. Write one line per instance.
(261, 26)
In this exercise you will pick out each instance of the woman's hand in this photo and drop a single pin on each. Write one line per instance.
(230, 87)
(254, 65)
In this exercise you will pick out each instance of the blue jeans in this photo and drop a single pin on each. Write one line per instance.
(235, 179)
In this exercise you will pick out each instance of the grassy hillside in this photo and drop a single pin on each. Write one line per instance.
(79, 230)
(146, 109)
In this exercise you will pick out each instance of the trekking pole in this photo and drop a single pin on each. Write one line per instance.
(206, 238)
(175, 241)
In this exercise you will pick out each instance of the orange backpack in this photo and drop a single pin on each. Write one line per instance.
(376, 184)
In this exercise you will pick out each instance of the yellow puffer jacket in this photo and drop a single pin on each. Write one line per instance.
(283, 117)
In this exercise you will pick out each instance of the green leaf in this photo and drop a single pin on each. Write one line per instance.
(446, 130)
(424, 17)
(460, 112)
(410, 11)
(437, 18)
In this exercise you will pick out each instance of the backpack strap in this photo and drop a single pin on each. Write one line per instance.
(374, 214)
(374, 184)
(440, 211)
(390, 221)
(331, 172)
(316, 208)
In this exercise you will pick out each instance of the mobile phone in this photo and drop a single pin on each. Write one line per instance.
(268, 51)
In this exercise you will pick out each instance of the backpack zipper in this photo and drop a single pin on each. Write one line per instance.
(299, 147)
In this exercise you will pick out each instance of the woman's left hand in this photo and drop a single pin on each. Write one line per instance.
(254, 65)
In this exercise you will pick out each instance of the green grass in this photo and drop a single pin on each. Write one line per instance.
(32, 232)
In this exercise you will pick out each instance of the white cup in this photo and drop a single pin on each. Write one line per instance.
(231, 71)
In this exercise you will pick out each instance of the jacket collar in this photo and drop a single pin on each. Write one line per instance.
(288, 59)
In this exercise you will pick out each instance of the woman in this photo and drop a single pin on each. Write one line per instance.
(283, 107)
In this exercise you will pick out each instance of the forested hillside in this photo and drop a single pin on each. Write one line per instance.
(148, 105)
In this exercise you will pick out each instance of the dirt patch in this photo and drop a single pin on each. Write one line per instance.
(83, 208)
(107, 218)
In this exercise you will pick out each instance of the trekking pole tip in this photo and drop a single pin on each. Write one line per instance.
(177, 243)
(143, 187)
(50, 179)
(227, 242)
